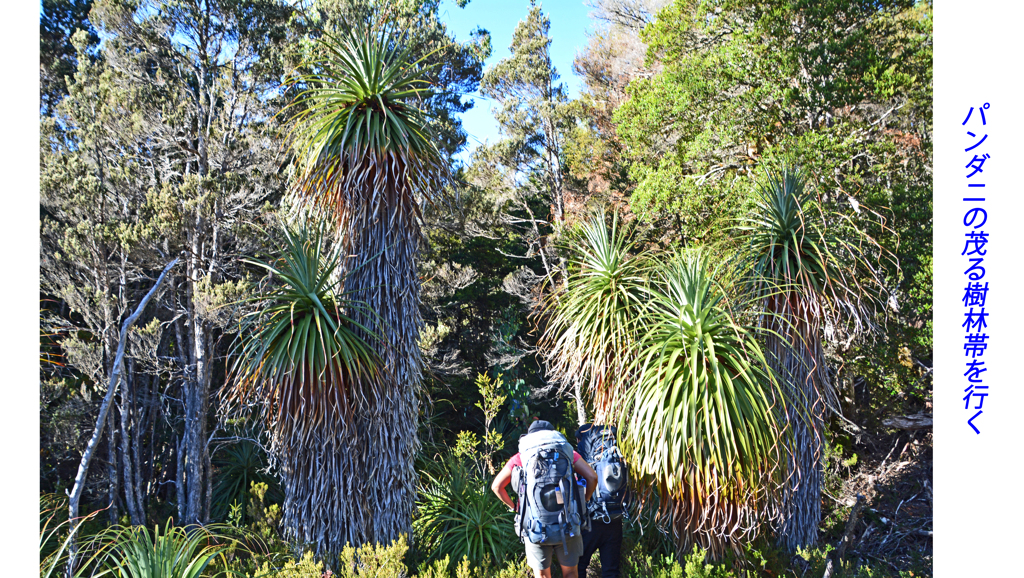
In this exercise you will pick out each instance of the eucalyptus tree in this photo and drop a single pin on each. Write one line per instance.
(365, 161)
(209, 75)
(534, 111)
(814, 274)
(91, 236)
(535, 117)
(166, 145)
(59, 20)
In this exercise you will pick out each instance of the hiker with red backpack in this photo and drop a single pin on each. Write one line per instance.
(552, 513)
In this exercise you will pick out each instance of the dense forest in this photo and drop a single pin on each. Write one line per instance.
(284, 329)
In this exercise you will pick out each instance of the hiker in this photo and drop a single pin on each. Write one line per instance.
(551, 512)
(597, 445)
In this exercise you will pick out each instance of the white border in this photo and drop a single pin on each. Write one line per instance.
(977, 507)
(19, 341)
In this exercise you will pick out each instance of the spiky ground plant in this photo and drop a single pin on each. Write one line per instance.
(308, 368)
(365, 160)
(592, 324)
(458, 516)
(700, 422)
(132, 552)
(239, 465)
(55, 539)
(812, 272)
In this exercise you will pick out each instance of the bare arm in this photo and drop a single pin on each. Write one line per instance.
(582, 468)
(502, 480)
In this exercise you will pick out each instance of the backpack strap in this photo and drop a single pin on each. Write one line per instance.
(522, 495)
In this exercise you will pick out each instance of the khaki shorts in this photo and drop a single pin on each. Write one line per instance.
(539, 557)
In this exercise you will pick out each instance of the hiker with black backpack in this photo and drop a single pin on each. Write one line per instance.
(551, 514)
(597, 445)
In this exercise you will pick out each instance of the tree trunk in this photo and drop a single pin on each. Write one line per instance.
(129, 440)
(180, 473)
(800, 366)
(208, 493)
(142, 415)
(101, 420)
(909, 422)
(359, 486)
(181, 479)
(581, 410)
(196, 386)
(802, 497)
(112, 477)
(197, 406)
(153, 414)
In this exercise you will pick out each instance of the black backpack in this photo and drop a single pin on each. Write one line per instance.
(596, 444)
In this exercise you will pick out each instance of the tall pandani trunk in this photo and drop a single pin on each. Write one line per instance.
(794, 351)
(359, 486)
(385, 278)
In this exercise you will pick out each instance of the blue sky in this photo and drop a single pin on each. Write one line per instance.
(569, 26)
(570, 23)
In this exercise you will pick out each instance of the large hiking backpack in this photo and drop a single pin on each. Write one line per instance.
(551, 503)
(597, 445)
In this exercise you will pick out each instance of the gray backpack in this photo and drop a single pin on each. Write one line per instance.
(551, 503)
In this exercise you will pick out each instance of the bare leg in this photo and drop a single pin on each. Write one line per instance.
(545, 573)
(569, 572)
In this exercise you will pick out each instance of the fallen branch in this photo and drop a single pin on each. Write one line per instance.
(909, 422)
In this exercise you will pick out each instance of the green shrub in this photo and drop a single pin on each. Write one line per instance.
(368, 560)
(666, 566)
(380, 561)
(238, 466)
(697, 568)
(440, 569)
(647, 566)
(306, 567)
(459, 517)
(517, 568)
(374, 560)
(258, 541)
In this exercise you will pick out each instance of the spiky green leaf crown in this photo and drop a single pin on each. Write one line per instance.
(360, 101)
(301, 353)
